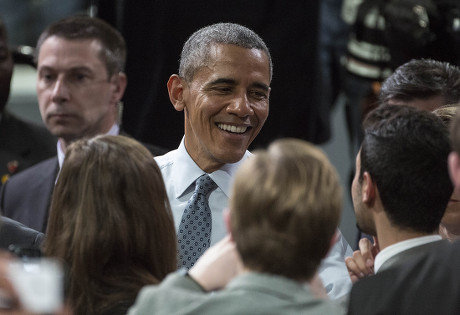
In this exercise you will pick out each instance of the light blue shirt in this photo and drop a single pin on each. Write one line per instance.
(179, 174)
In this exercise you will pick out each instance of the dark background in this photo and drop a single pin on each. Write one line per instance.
(155, 32)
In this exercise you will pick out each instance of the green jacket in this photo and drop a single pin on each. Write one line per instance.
(250, 293)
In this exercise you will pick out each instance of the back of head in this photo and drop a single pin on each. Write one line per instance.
(110, 221)
(405, 152)
(285, 209)
(89, 28)
(423, 79)
(196, 51)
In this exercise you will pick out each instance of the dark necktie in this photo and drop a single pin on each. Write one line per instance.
(194, 235)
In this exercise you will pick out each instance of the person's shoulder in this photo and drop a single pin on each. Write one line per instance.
(275, 294)
(174, 294)
(44, 168)
(45, 164)
(417, 281)
(16, 233)
(24, 144)
(166, 159)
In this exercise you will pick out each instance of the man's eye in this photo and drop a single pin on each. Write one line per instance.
(223, 89)
(78, 77)
(259, 95)
(47, 77)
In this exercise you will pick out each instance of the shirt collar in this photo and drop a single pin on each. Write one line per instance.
(395, 249)
(186, 171)
(115, 130)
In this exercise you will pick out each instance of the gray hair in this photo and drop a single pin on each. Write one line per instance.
(196, 51)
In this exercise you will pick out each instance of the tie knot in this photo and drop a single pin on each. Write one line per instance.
(204, 185)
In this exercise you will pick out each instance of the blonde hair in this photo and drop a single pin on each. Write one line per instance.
(285, 209)
(110, 222)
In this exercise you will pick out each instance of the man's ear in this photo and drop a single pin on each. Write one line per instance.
(227, 222)
(368, 188)
(176, 92)
(454, 169)
(119, 81)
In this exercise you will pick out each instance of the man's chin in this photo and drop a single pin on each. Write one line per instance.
(232, 158)
(365, 229)
(66, 136)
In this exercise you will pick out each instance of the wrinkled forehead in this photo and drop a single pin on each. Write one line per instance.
(236, 53)
(238, 59)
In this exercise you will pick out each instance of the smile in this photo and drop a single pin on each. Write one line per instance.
(233, 129)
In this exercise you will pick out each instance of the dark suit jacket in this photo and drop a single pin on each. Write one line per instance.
(23, 144)
(407, 255)
(26, 197)
(15, 233)
(427, 284)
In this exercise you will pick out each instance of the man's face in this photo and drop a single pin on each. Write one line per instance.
(226, 105)
(363, 217)
(75, 95)
(6, 70)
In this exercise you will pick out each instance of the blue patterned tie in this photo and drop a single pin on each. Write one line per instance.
(194, 235)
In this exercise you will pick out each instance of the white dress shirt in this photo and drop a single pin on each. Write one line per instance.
(115, 130)
(179, 174)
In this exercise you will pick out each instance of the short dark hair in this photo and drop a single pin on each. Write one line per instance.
(405, 152)
(196, 51)
(113, 52)
(422, 79)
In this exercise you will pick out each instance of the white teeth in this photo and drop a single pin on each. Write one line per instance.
(233, 129)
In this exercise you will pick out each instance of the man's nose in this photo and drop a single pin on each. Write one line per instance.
(60, 91)
(241, 106)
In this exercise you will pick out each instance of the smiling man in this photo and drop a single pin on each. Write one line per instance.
(223, 88)
(225, 104)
